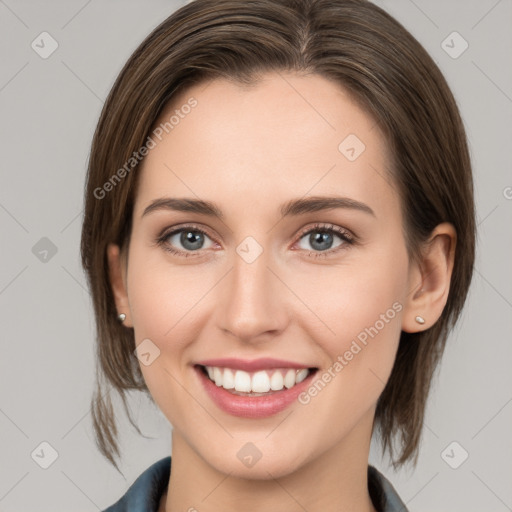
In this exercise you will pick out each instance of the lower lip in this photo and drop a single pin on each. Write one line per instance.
(252, 406)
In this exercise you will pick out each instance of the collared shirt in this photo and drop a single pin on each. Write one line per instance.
(145, 493)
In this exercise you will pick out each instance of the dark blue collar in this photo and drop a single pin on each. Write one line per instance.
(145, 493)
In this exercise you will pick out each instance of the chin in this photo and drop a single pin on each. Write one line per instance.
(258, 461)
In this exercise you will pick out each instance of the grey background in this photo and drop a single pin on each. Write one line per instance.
(49, 108)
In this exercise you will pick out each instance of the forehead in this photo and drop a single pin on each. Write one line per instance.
(285, 136)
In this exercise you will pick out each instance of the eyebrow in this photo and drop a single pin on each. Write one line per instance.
(291, 208)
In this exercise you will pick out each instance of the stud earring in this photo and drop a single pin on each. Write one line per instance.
(420, 320)
(121, 317)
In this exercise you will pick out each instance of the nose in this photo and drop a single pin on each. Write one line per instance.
(252, 303)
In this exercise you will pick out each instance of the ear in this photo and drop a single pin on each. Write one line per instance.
(117, 273)
(429, 279)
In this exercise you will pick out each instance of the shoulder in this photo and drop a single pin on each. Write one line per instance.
(144, 494)
(383, 494)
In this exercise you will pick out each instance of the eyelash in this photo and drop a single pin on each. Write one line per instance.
(346, 236)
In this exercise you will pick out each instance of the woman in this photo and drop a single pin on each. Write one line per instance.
(279, 235)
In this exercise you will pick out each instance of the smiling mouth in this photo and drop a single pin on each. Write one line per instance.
(259, 383)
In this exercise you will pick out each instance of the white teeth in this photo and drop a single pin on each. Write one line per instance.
(276, 381)
(228, 380)
(259, 382)
(301, 375)
(217, 376)
(289, 378)
(242, 381)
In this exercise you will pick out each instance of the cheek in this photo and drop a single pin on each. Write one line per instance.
(163, 300)
(364, 313)
(359, 306)
(161, 306)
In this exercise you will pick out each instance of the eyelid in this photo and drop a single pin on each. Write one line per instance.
(326, 226)
(166, 232)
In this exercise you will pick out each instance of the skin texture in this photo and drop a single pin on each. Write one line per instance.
(249, 150)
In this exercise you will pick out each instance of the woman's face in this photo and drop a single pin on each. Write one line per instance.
(268, 283)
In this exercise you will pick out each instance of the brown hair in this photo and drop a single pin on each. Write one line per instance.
(373, 57)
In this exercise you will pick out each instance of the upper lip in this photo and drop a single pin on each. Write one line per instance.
(265, 363)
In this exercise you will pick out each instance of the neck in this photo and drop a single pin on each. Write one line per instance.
(334, 481)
